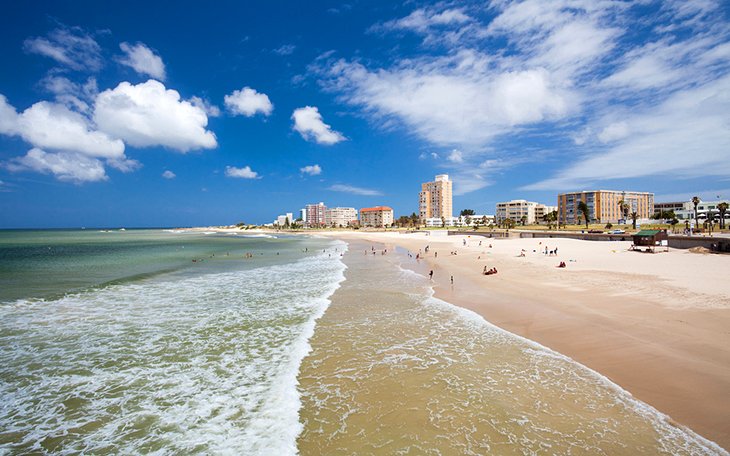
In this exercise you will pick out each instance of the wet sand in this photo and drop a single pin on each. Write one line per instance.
(657, 325)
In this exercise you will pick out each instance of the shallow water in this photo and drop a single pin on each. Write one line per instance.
(395, 371)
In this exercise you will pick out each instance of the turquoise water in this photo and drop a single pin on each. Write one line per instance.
(119, 343)
(48, 263)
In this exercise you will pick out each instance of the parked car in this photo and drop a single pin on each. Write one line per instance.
(617, 232)
(596, 231)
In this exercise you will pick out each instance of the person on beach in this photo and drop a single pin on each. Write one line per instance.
(452, 280)
(546, 250)
(435, 254)
(562, 264)
(430, 274)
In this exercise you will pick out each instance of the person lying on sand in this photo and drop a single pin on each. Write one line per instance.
(491, 271)
(562, 264)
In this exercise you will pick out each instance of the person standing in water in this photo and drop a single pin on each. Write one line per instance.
(430, 274)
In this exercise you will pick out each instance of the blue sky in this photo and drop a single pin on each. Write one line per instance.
(136, 114)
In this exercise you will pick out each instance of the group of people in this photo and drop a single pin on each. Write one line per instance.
(489, 271)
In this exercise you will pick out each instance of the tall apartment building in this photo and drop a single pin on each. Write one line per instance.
(340, 216)
(603, 205)
(316, 215)
(434, 200)
(517, 209)
(378, 216)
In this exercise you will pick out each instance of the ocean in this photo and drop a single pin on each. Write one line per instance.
(180, 342)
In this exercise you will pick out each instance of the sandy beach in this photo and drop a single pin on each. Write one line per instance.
(655, 324)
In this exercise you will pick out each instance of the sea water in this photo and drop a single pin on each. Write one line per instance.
(395, 371)
(124, 344)
(173, 342)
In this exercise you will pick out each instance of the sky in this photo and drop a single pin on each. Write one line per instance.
(152, 114)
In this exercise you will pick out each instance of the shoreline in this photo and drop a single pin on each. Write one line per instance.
(662, 335)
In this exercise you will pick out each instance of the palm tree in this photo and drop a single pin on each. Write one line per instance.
(710, 220)
(621, 204)
(722, 207)
(583, 209)
(696, 202)
(634, 216)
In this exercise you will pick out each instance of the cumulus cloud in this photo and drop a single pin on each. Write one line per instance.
(70, 46)
(312, 170)
(142, 60)
(248, 102)
(354, 190)
(169, 174)
(308, 122)
(65, 166)
(148, 114)
(422, 19)
(210, 109)
(54, 126)
(241, 173)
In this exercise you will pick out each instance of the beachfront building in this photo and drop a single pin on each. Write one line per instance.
(671, 206)
(340, 216)
(704, 209)
(284, 220)
(461, 220)
(315, 215)
(520, 211)
(435, 200)
(303, 215)
(378, 216)
(603, 206)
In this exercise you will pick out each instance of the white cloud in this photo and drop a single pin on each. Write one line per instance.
(454, 100)
(686, 136)
(312, 170)
(242, 173)
(354, 190)
(142, 60)
(614, 132)
(54, 126)
(286, 49)
(422, 19)
(169, 174)
(65, 166)
(308, 122)
(248, 102)
(456, 157)
(74, 95)
(71, 47)
(210, 109)
(147, 114)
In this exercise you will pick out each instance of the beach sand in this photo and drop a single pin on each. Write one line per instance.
(658, 324)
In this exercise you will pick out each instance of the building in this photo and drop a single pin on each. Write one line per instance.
(462, 220)
(315, 215)
(703, 210)
(521, 210)
(603, 206)
(434, 200)
(378, 216)
(284, 220)
(666, 207)
(541, 210)
(340, 216)
(303, 215)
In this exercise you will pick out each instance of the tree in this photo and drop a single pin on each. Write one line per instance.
(710, 220)
(550, 218)
(415, 219)
(674, 222)
(443, 222)
(722, 207)
(467, 219)
(583, 209)
(484, 220)
(467, 212)
(634, 216)
(523, 220)
(609, 225)
(287, 223)
(696, 201)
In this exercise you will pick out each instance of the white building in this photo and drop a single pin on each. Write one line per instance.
(283, 219)
(703, 209)
(462, 220)
(340, 216)
(519, 210)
